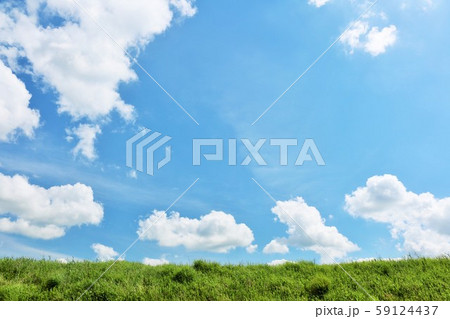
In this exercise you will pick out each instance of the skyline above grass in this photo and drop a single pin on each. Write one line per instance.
(80, 78)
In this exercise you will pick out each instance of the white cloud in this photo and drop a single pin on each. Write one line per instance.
(37, 212)
(26, 228)
(77, 58)
(352, 37)
(322, 239)
(372, 40)
(184, 7)
(362, 260)
(86, 134)
(104, 253)
(277, 262)
(378, 41)
(155, 262)
(276, 246)
(216, 231)
(251, 248)
(318, 3)
(15, 115)
(421, 220)
(10, 54)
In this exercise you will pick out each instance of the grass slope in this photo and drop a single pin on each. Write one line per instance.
(412, 279)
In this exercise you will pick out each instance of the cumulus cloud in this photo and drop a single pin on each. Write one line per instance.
(215, 232)
(379, 40)
(277, 262)
(77, 58)
(15, 115)
(33, 211)
(318, 3)
(322, 239)
(104, 253)
(155, 262)
(73, 56)
(419, 221)
(371, 40)
(276, 246)
(86, 134)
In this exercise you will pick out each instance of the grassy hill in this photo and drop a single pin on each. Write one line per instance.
(411, 279)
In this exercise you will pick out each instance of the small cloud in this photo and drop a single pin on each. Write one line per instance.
(371, 40)
(352, 37)
(86, 134)
(251, 248)
(306, 230)
(361, 260)
(104, 253)
(155, 262)
(318, 3)
(276, 246)
(379, 40)
(383, 15)
(277, 262)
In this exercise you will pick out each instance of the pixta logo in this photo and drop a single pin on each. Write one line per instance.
(142, 148)
(306, 153)
(144, 145)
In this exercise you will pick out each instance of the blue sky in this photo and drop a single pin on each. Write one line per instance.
(376, 106)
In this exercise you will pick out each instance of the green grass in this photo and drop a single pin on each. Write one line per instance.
(411, 279)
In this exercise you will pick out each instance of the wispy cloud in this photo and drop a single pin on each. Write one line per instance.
(10, 247)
